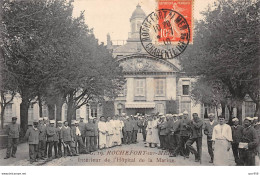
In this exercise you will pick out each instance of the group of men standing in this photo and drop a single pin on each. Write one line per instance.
(177, 134)
(172, 132)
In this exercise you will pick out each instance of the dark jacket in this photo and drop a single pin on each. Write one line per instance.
(250, 136)
(43, 132)
(91, 129)
(33, 136)
(209, 129)
(196, 128)
(237, 133)
(51, 134)
(82, 128)
(128, 126)
(162, 128)
(184, 127)
(135, 124)
(66, 134)
(13, 130)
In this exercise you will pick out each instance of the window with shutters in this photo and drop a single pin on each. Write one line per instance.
(185, 89)
(45, 111)
(140, 87)
(93, 109)
(77, 113)
(249, 109)
(160, 108)
(160, 87)
(8, 111)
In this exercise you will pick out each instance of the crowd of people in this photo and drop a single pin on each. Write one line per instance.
(175, 133)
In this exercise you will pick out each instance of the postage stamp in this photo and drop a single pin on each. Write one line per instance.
(165, 34)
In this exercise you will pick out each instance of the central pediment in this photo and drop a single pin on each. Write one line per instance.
(145, 63)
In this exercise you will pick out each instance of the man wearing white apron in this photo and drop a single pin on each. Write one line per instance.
(222, 138)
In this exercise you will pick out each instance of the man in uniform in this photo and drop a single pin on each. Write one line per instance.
(174, 134)
(143, 125)
(247, 153)
(46, 124)
(128, 128)
(78, 139)
(184, 135)
(135, 129)
(51, 136)
(32, 135)
(196, 136)
(90, 134)
(208, 132)
(67, 138)
(42, 139)
(13, 131)
(237, 132)
(95, 137)
(59, 128)
(162, 132)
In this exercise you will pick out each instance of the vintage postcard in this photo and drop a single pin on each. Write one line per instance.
(129, 83)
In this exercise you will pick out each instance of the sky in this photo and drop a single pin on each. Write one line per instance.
(112, 16)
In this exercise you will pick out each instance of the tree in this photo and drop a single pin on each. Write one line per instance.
(35, 35)
(226, 46)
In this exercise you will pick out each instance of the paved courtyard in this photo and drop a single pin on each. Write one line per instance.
(134, 154)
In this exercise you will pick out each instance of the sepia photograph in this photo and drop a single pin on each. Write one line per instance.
(129, 83)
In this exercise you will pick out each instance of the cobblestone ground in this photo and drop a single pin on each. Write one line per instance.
(134, 154)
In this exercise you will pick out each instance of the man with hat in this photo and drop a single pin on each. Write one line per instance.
(32, 134)
(67, 138)
(135, 129)
(209, 125)
(162, 132)
(77, 138)
(13, 131)
(143, 125)
(82, 128)
(59, 129)
(42, 139)
(237, 132)
(46, 124)
(51, 136)
(184, 127)
(128, 129)
(174, 134)
(248, 144)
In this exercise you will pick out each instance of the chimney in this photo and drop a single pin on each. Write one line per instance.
(109, 43)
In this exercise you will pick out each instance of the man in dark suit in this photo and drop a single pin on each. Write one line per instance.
(196, 136)
(248, 152)
(51, 137)
(13, 131)
(208, 132)
(128, 129)
(162, 132)
(237, 133)
(59, 128)
(135, 129)
(42, 139)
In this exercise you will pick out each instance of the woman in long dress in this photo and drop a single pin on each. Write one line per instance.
(222, 138)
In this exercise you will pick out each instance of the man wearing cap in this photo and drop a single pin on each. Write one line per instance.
(77, 138)
(13, 131)
(250, 140)
(51, 136)
(59, 128)
(128, 129)
(237, 132)
(173, 134)
(222, 138)
(143, 125)
(32, 135)
(196, 136)
(42, 139)
(46, 123)
(66, 136)
(90, 133)
(82, 128)
(209, 125)
(184, 127)
(135, 129)
(162, 124)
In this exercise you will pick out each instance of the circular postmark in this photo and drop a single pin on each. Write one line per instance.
(165, 34)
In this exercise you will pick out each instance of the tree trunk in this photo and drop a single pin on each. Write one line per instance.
(59, 104)
(239, 112)
(257, 111)
(230, 112)
(24, 115)
(223, 108)
(51, 111)
(40, 106)
(2, 116)
(71, 110)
